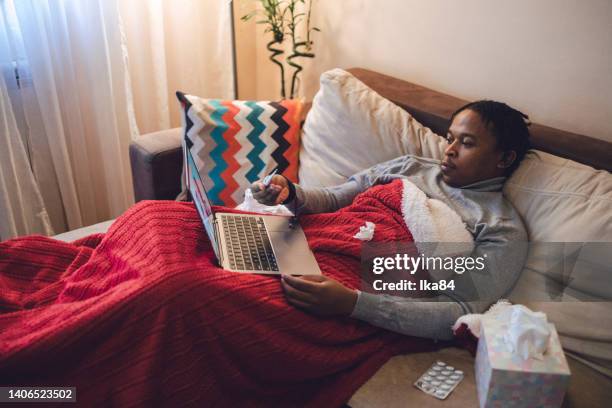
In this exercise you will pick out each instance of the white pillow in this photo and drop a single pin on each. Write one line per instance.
(350, 127)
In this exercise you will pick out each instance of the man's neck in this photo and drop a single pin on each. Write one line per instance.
(489, 185)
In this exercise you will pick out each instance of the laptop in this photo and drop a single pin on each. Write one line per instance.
(263, 244)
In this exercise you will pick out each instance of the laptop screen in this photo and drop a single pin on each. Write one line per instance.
(198, 194)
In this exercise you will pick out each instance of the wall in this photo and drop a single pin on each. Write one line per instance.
(246, 50)
(552, 59)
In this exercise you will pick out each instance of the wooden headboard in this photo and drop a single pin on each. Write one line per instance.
(433, 109)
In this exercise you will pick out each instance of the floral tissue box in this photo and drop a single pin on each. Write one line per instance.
(504, 379)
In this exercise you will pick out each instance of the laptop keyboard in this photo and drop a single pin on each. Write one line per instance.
(248, 245)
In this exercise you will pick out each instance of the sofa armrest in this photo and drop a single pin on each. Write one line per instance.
(157, 164)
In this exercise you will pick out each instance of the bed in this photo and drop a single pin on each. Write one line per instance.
(157, 164)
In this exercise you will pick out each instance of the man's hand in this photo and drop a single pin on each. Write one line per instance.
(275, 193)
(319, 294)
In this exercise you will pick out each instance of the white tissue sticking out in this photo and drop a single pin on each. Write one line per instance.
(528, 332)
(252, 205)
(366, 233)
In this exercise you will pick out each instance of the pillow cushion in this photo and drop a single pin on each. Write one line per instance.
(566, 208)
(350, 127)
(562, 200)
(235, 143)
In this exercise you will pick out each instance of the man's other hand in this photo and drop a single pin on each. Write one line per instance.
(319, 294)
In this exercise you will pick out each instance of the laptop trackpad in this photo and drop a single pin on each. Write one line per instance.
(277, 223)
(293, 255)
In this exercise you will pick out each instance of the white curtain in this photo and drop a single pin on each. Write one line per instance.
(21, 206)
(80, 102)
(176, 45)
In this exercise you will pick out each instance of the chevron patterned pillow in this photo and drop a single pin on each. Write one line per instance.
(235, 143)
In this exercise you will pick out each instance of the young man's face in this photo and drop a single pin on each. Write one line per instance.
(472, 154)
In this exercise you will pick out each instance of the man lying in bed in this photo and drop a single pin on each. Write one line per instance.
(486, 142)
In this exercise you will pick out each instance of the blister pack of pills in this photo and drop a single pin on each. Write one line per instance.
(439, 380)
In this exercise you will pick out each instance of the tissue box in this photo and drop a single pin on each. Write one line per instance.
(506, 380)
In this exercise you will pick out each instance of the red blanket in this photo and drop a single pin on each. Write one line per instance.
(141, 315)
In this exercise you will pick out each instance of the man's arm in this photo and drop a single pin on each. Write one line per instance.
(410, 316)
(320, 200)
(504, 248)
(328, 199)
(310, 200)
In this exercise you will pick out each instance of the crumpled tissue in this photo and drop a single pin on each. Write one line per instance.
(528, 332)
(366, 233)
(252, 205)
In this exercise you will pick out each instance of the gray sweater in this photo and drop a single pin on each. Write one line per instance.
(497, 229)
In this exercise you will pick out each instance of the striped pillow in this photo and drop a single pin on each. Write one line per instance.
(237, 142)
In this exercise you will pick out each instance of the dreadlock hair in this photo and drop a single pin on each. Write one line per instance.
(508, 125)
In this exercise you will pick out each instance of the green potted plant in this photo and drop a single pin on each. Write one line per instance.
(285, 19)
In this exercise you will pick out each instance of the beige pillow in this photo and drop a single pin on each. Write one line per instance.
(567, 209)
(350, 127)
(562, 200)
